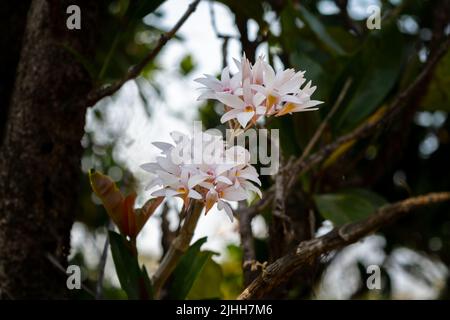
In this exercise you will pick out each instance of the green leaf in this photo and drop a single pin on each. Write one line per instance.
(188, 269)
(374, 71)
(320, 30)
(134, 281)
(348, 206)
(207, 284)
(187, 65)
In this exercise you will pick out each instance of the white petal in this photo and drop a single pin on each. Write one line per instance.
(210, 82)
(247, 90)
(165, 192)
(269, 75)
(260, 110)
(163, 146)
(234, 194)
(209, 94)
(229, 115)
(150, 167)
(194, 194)
(167, 178)
(167, 165)
(244, 117)
(224, 179)
(225, 76)
(222, 205)
(195, 180)
(230, 100)
(153, 183)
(206, 185)
(249, 176)
(258, 98)
(250, 187)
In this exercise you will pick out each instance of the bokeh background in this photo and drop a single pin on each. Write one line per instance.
(331, 43)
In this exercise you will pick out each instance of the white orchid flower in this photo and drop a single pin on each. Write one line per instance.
(226, 84)
(221, 175)
(244, 109)
(300, 102)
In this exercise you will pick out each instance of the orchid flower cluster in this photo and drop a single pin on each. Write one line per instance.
(257, 90)
(203, 168)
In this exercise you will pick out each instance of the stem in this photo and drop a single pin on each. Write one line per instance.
(101, 269)
(178, 248)
(280, 270)
(100, 93)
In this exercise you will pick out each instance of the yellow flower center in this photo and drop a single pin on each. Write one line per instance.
(248, 109)
(181, 190)
(271, 100)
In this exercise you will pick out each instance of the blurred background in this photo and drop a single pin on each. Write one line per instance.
(331, 41)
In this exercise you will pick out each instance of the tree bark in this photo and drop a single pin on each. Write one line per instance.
(12, 17)
(40, 150)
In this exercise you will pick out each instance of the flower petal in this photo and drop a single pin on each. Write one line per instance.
(230, 100)
(244, 117)
(222, 205)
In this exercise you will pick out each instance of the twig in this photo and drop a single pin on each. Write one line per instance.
(212, 15)
(280, 270)
(58, 266)
(325, 121)
(167, 234)
(100, 93)
(178, 248)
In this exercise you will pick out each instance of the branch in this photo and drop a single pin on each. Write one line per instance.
(325, 121)
(259, 206)
(280, 270)
(100, 93)
(178, 248)
(167, 235)
(248, 246)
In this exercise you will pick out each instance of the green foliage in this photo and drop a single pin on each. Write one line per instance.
(348, 206)
(133, 280)
(187, 65)
(188, 270)
(126, 38)
(320, 31)
(374, 71)
(231, 285)
(207, 284)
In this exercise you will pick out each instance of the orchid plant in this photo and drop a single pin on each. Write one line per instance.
(257, 90)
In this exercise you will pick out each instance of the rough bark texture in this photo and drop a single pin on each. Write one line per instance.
(12, 17)
(40, 151)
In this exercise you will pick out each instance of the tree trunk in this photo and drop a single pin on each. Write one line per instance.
(40, 150)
